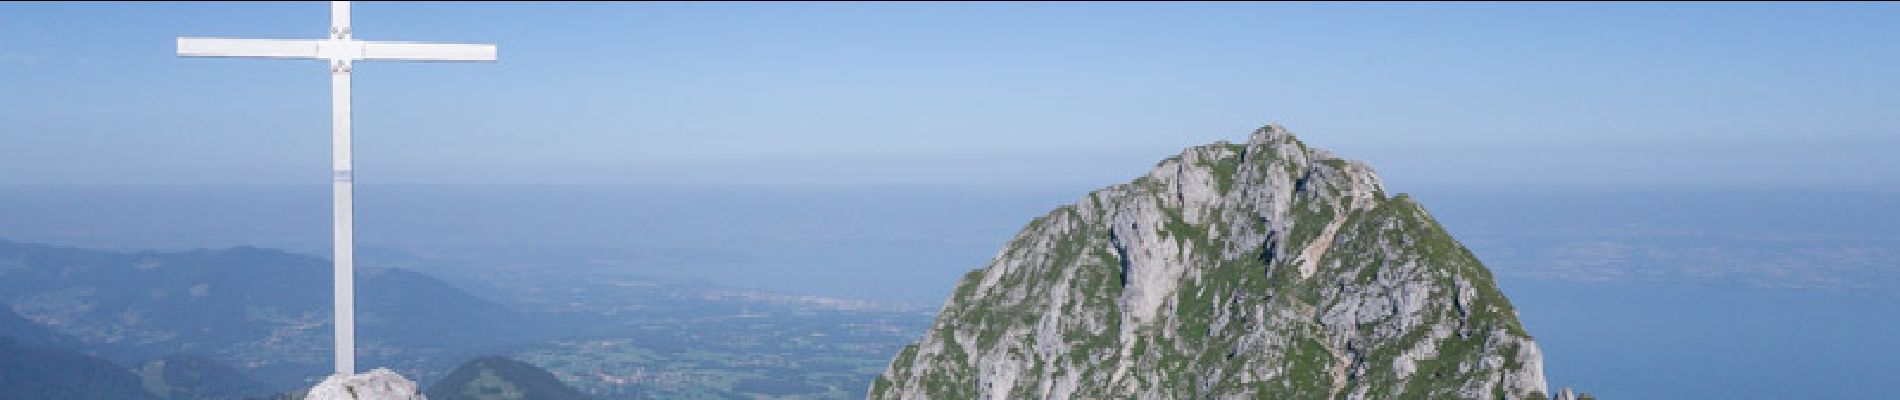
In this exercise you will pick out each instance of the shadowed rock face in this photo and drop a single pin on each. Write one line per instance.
(1264, 269)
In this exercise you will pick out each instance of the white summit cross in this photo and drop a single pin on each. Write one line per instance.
(341, 52)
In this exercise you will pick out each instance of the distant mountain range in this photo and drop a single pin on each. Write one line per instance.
(41, 364)
(247, 322)
(266, 313)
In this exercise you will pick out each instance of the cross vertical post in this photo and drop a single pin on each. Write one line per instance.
(343, 193)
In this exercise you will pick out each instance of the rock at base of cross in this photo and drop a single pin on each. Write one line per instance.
(377, 384)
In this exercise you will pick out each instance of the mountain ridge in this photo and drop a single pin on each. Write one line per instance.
(1230, 270)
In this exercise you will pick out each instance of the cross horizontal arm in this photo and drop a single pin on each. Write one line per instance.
(417, 51)
(223, 47)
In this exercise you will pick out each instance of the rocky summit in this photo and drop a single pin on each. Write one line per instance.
(1261, 270)
(377, 384)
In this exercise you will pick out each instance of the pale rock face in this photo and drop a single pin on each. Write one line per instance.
(1264, 269)
(378, 384)
(1565, 394)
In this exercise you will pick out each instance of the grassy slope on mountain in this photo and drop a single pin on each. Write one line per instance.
(500, 378)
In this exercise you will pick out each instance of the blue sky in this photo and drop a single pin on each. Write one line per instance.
(1776, 95)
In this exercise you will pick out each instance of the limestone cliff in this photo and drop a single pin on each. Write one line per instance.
(1265, 270)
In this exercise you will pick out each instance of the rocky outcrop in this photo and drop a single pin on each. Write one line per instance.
(1264, 269)
(1565, 394)
(1569, 394)
(378, 384)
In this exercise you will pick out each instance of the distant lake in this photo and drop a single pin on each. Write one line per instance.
(1647, 293)
(1688, 341)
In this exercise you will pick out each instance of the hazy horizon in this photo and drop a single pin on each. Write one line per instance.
(791, 229)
